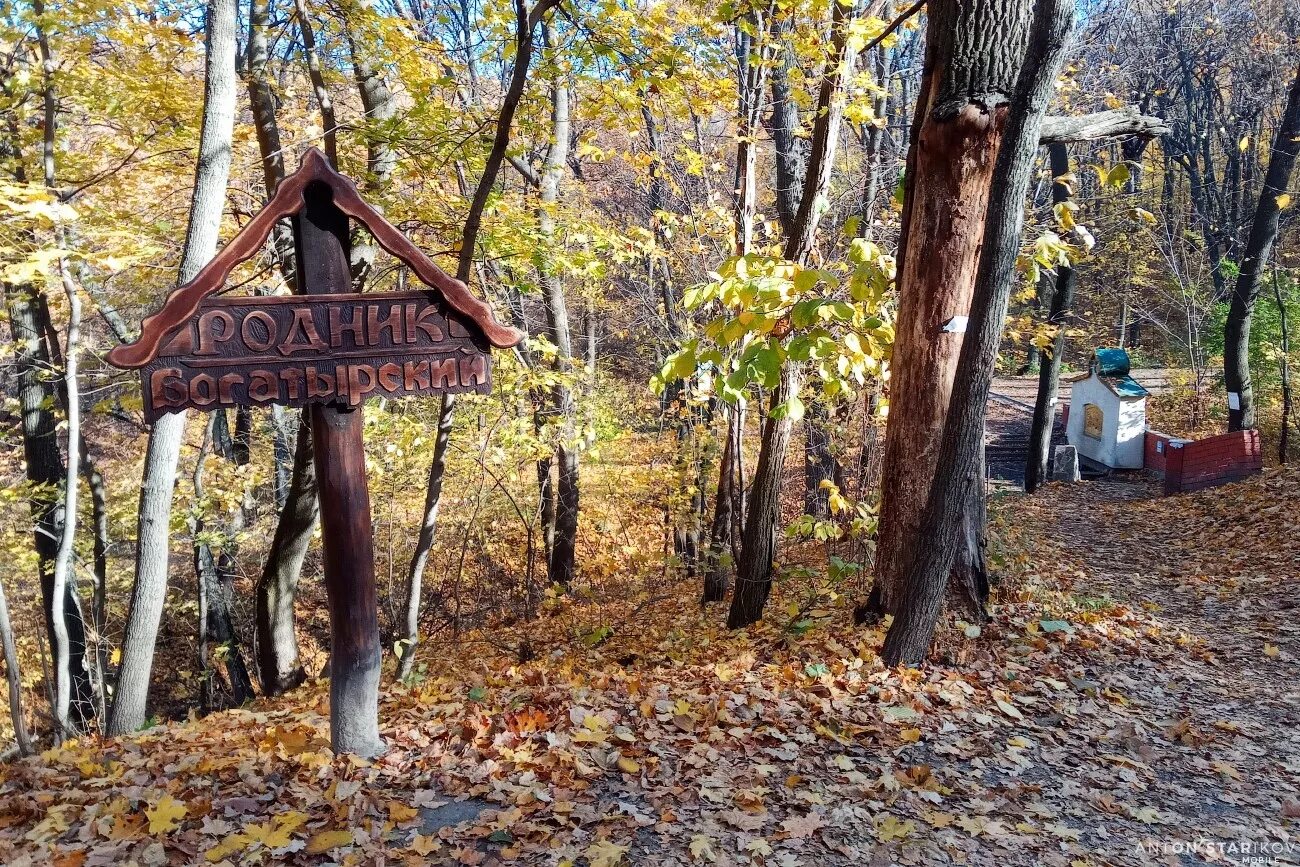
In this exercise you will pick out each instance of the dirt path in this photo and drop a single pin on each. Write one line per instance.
(1204, 741)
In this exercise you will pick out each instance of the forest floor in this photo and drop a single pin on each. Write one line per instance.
(1133, 700)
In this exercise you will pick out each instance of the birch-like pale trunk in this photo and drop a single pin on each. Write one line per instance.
(14, 675)
(153, 542)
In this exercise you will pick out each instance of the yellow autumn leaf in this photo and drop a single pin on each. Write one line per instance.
(324, 841)
(165, 816)
(702, 848)
(1283, 201)
(399, 812)
(603, 853)
(889, 828)
(628, 766)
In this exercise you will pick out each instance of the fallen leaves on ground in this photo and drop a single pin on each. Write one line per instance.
(1132, 689)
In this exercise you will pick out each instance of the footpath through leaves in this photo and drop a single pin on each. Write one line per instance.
(1132, 701)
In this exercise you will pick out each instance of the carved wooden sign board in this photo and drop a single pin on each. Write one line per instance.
(329, 348)
(205, 351)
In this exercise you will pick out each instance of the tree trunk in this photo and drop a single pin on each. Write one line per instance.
(415, 573)
(972, 55)
(216, 577)
(1049, 371)
(758, 542)
(1284, 435)
(719, 563)
(329, 125)
(752, 70)
(933, 554)
(64, 579)
(274, 636)
(560, 569)
(37, 398)
(14, 676)
(1259, 246)
(758, 549)
(790, 146)
(875, 136)
(377, 102)
(153, 533)
(819, 463)
(525, 23)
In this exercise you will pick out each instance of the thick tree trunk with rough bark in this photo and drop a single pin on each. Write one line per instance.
(1049, 371)
(932, 555)
(1259, 247)
(973, 53)
(153, 546)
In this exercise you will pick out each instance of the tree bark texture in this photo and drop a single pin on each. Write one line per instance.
(560, 569)
(152, 536)
(932, 555)
(972, 56)
(1113, 123)
(14, 676)
(718, 562)
(758, 549)
(415, 573)
(329, 125)
(1259, 247)
(276, 641)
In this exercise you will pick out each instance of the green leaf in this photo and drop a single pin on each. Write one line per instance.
(793, 409)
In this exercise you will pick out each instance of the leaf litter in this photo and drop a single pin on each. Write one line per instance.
(1133, 690)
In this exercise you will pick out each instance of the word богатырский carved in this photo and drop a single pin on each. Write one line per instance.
(292, 350)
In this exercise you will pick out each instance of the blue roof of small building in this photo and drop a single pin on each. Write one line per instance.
(1112, 362)
(1125, 386)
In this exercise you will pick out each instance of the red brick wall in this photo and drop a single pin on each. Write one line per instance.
(1214, 461)
(1155, 452)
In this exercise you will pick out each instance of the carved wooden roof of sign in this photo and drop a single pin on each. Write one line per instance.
(184, 301)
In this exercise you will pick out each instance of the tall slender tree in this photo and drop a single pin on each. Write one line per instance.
(1259, 247)
(153, 540)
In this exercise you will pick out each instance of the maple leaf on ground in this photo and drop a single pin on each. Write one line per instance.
(166, 815)
(702, 848)
(603, 853)
(801, 827)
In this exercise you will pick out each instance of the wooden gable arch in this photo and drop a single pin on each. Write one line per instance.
(184, 301)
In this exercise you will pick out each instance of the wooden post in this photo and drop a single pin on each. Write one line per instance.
(321, 241)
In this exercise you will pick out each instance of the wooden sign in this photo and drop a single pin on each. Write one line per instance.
(331, 348)
(294, 350)
(204, 351)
